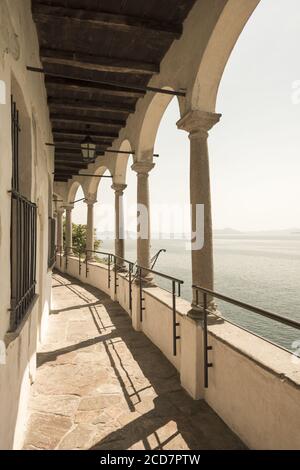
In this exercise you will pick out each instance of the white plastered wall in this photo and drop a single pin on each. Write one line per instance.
(18, 48)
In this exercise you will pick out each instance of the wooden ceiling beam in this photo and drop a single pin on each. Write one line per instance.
(96, 63)
(68, 169)
(87, 105)
(74, 84)
(66, 172)
(77, 132)
(75, 140)
(69, 164)
(65, 118)
(62, 161)
(47, 13)
(68, 150)
(66, 154)
(74, 152)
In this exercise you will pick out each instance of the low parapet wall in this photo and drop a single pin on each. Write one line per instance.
(254, 386)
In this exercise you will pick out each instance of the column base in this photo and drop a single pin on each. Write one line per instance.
(121, 269)
(146, 282)
(197, 312)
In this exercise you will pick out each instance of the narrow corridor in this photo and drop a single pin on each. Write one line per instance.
(101, 385)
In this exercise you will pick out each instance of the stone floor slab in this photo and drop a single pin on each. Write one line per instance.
(102, 385)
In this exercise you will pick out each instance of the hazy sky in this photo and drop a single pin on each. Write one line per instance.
(255, 149)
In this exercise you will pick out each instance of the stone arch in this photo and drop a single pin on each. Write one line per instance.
(122, 162)
(92, 184)
(57, 196)
(75, 185)
(203, 94)
(150, 125)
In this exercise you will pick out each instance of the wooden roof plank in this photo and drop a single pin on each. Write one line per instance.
(83, 132)
(92, 86)
(64, 118)
(88, 105)
(126, 23)
(96, 63)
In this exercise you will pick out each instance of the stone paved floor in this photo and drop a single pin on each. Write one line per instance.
(101, 385)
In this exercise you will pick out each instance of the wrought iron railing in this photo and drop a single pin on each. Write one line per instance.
(51, 242)
(175, 293)
(204, 307)
(136, 273)
(23, 256)
(15, 131)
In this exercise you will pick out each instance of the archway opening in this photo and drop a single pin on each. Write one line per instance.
(79, 218)
(79, 211)
(254, 172)
(170, 199)
(104, 213)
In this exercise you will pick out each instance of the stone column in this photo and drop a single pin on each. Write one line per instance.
(69, 238)
(90, 235)
(119, 221)
(59, 236)
(198, 123)
(143, 212)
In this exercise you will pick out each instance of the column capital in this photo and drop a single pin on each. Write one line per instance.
(118, 187)
(90, 201)
(60, 210)
(143, 167)
(69, 207)
(198, 122)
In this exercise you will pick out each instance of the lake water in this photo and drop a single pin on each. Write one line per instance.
(261, 270)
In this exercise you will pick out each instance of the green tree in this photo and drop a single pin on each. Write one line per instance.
(79, 237)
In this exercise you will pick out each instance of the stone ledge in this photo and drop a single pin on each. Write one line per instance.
(10, 337)
(165, 297)
(256, 349)
(96, 264)
(263, 353)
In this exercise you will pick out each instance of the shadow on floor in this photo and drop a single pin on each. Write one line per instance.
(167, 412)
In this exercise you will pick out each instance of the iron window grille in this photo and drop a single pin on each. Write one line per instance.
(23, 237)
(51, 239)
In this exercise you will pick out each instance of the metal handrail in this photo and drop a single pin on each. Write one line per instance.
(75, 250)
(209, 293)
(157, 273)
(112, 259)
(109, 256)
(252, 308)
(154, 258)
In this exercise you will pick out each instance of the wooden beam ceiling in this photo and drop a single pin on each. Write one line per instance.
(98, 58)
(82, 133)
(75, 140)
(89, 86)
(112, 22)
(96, 63)
(62, 161)
(66, 172)
(64, 118)
(88, 105)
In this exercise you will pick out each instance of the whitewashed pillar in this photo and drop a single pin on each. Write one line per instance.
(198, 123)
(90, 229)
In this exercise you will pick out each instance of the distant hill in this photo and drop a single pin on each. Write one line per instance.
(288, 231)
(227, 230)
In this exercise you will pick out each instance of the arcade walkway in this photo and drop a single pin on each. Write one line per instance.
(101, 385)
